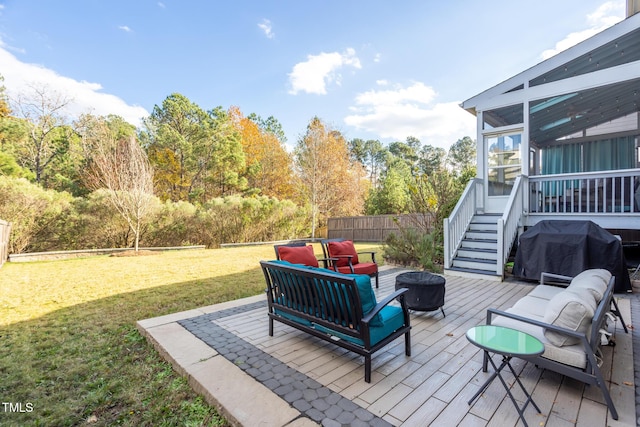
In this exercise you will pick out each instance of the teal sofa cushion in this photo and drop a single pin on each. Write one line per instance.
(292, 317)
(367, 297)
(391, 319)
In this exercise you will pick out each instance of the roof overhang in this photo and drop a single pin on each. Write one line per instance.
(530, 84)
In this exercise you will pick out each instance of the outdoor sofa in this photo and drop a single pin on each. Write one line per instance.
(569, 319)
(335, 307)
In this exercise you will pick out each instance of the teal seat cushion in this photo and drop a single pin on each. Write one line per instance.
(391, 319)
(293, 317)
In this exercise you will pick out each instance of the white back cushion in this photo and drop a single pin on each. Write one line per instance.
(594, 280)
(571, 310)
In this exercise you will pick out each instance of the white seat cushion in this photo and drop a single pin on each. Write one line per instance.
(531, 305)
(572, 355)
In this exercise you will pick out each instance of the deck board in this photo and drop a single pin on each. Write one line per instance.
(434, 384)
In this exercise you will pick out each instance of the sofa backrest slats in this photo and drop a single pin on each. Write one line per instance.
(344, 301)
(331, 300)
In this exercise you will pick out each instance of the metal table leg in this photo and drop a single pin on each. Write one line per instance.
(496, 373)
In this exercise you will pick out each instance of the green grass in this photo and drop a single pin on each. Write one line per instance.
(70, 349)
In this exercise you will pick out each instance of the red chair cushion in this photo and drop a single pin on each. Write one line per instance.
(298, 255)
(342, 248)
(367, 268)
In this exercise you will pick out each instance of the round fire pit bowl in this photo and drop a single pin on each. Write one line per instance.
(426, 290)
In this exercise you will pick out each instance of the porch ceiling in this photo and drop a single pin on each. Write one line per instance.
(556, 117)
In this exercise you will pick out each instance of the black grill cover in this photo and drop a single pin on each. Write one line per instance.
(568, 248)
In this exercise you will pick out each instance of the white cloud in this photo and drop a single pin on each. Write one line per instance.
(85, 96)
(161, 5)
(266, 26)
(411, 111)
(125, 28)
(605, 16)
(313, 75)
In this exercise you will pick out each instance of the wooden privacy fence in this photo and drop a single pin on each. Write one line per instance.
(5, 229)
(373, 228)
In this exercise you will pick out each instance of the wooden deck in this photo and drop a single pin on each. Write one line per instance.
(432, 386)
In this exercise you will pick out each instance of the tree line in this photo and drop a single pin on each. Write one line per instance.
(194, 176)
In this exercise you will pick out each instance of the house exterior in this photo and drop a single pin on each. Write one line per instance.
(557, 141)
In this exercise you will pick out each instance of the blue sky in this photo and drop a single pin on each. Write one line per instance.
(371, 69)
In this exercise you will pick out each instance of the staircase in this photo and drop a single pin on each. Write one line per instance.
(478, 251)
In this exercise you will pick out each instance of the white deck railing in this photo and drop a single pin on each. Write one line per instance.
(584, 193)
(509, 222)
(456, 225)
(612, 194)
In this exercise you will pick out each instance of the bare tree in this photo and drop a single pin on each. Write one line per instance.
(46, 123)
(123, 169)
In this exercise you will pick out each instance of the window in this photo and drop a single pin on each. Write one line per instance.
(504, 162)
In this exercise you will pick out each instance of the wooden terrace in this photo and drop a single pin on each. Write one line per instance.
(431, 387)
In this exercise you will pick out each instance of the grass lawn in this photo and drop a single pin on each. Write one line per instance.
(69, 350)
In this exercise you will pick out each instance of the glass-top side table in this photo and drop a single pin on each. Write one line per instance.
(508, 343)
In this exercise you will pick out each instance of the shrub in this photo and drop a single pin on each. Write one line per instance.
(37, 216)
(45, 220)
(100, 225)
(413, 247)
(235, 219)
(174, 224)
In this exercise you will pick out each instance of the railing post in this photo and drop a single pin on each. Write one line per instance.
(526, 195)
(447, 245)
(500, 260)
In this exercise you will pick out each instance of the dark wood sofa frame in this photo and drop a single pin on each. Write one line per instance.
(327, 305)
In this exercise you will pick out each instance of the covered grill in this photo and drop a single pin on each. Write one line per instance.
(568, 248)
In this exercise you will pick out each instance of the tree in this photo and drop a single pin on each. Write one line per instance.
(432, 159)
(47, 133)
(9, 167)
(407, 151)
(372, 154)
(392, 196)
(224, 159)
(270, 125)
(11, 130)
(266, 159)
(5, 110)
(331, 183)
(196, 153)
(462, 154)
(122, 168)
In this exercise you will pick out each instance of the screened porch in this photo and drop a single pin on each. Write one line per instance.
(588, 176)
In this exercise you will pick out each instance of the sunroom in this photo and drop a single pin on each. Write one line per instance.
(559, 140)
